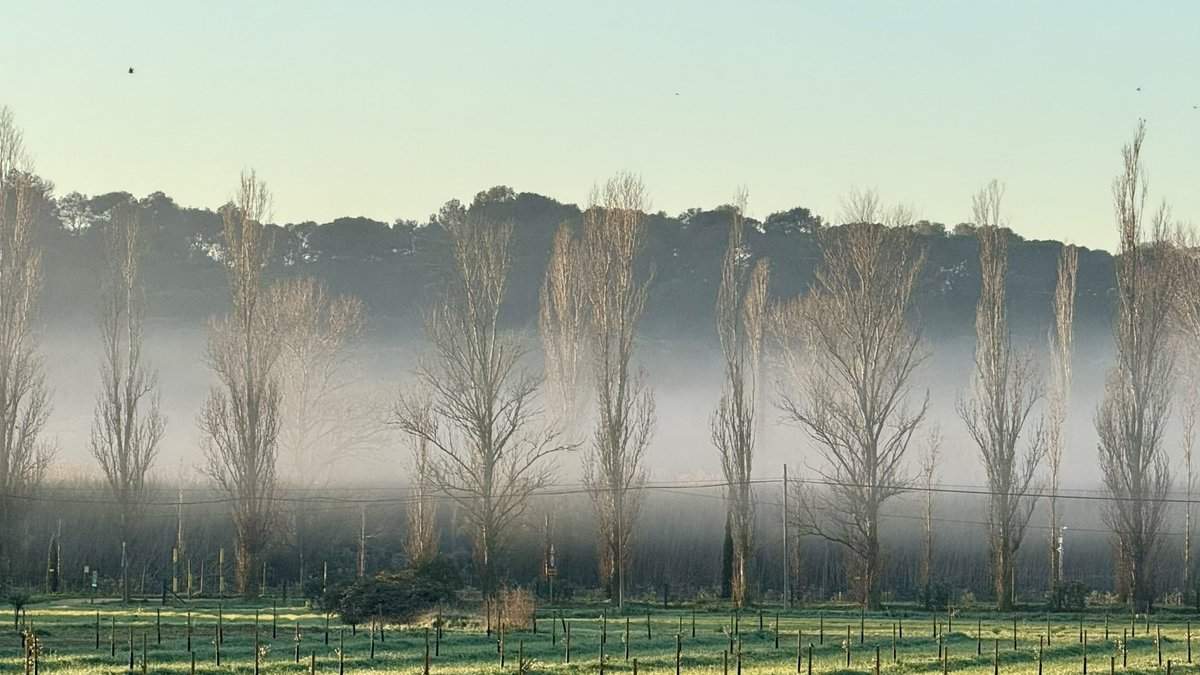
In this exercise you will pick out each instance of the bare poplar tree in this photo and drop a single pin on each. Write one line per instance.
(1188, 421)
(929, 464)
(128, 425)
(613, 236)
(241, 417)
(319, 422)
(741, 314)
(1186, 316)
(421, 543)
(849, 351)
(1061, 340)
(1132, 417)
(24, 398)
(1004, 393)
(563, 318)
(481, 415)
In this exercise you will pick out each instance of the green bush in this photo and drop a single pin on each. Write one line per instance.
(396, 596)
(1069, 597)
(936, 597)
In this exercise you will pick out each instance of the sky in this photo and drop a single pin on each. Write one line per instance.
(388, 109)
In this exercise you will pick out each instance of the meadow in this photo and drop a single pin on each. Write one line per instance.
(79, 636)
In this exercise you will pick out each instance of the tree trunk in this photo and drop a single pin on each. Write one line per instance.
(872, 564)
(1004, 573)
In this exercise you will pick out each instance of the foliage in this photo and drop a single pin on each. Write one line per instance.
(936, 597)
(396, 596)
(1071, 596)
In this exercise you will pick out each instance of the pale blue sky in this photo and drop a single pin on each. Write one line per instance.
(388, 109)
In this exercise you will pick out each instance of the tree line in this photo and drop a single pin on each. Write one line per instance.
(486, 419)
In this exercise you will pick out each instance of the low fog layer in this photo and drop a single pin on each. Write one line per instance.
(684, 372)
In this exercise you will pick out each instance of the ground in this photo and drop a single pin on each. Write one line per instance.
(68, 635)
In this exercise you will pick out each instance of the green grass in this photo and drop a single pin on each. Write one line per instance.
(67, 631)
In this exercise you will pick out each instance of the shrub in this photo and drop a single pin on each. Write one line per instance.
(18, 599)
(936, 597)
(1069, 597)
(396, 596)
(517, 606)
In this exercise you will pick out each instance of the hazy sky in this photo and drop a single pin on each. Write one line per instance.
(388, 109)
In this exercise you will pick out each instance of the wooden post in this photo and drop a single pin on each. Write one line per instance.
(996, 658)
(342, 651)
(97, 631)
(112, 637)
(1085, 637)
(694, 622)
(426, 662)
(821, 628)
(1014, 632)
(648, 625)
(776, 629)
(189, 630)
(678, 652)
(217, 645)
(1158, 642)
(847, 646)
(158, 625)
(799, 651)
(627, 638)
(567, 640)
(876, 659)
(979, 637)
(862, 625)
(810, 650)
(893, 643)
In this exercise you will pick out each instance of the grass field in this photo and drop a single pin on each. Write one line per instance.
(976, 642)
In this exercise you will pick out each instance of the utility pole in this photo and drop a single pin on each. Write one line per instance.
(1061, 533)
(787, 587)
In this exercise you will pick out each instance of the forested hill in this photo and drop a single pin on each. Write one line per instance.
(396, 268)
